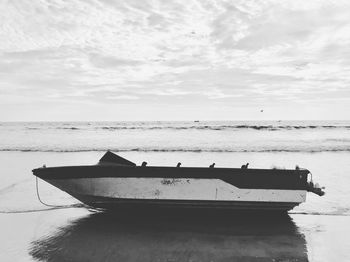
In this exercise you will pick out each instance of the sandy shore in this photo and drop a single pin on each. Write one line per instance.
(77, 234)
(80, 235)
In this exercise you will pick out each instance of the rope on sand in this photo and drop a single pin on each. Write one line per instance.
(50, 207)
(39, 210)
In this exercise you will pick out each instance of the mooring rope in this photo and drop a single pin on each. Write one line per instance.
(51, 207)
(79, 205)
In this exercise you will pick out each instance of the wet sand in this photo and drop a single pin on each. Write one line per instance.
(166, 237)
(80, 235)
(77, 234)
(104, 237)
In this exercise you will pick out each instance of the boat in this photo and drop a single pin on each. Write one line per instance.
(116, 182)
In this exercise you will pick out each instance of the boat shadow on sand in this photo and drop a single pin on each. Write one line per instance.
(198, 236)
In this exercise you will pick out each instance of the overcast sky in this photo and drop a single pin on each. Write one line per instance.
(174, 60)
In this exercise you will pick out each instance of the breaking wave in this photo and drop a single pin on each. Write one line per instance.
(318, 213)
(189, 150)
(195, 127)
(223, 127)
(196, 137)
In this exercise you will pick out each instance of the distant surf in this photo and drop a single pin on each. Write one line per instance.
(190, 150)
(197, 127)
(177, 136)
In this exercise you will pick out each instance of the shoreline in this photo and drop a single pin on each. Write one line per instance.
(81, 235)
(56, 235)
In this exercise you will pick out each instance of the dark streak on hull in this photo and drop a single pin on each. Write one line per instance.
(161, 204)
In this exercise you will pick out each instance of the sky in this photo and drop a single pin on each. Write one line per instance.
(174, 60)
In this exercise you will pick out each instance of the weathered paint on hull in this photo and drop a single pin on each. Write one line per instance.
(114, 192)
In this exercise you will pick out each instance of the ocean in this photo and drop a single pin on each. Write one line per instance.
(213, 137)
(34, 232)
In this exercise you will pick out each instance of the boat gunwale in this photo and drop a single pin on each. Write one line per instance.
(248, 170)
(241, 178)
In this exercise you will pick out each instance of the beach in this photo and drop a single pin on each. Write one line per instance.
(166, 120)
(317, 230)
(78, 235)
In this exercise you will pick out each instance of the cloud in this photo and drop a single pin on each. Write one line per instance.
(175, 53)
(123, 97)
(110, 61)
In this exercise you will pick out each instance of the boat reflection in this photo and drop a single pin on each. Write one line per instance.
(174, 237)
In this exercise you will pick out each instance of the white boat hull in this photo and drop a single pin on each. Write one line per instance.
(116, 182)
(177, 191)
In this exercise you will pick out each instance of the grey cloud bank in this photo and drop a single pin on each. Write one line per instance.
(174, 60)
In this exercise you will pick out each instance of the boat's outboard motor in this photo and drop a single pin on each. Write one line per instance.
(315, 188)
